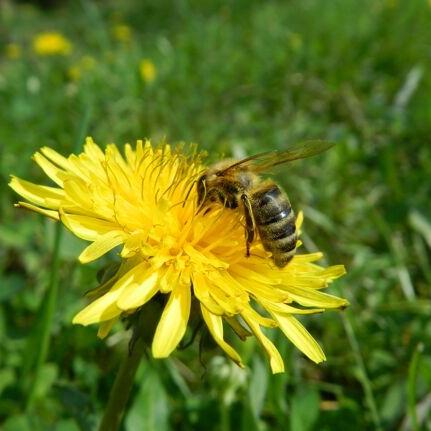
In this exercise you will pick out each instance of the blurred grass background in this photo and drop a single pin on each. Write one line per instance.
(237, 78)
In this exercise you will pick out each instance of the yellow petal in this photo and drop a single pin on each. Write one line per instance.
(138, 294)
(80, 166)
(228, 284)
(228, 303)
(314, 298)
(102, 245)
(49, 168)
(260, 320)
(130, 155)
(260, 277)
(304, 258)
(133, 245)
(55, 157)
(287, 309)
(240, 330)
(332, 272)
(299, 220)
(78, 192)
(88, 228)
(169, 279)
(259, 290)
(105, 327)
(49, 213)
(275, 359)
(215, 326)
(105, 307)
(299, 336)
(204, 258)
(173, 322)
(201, 290)
(93, 150)
(48, 197)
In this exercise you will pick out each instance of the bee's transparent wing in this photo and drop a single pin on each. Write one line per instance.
(264, 161)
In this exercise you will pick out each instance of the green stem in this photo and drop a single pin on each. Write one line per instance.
(224, 417)
(347, 319)
(48, 310)
(120, 391)
(363, 375)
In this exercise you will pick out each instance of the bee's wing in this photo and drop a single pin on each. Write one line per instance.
(265, 161)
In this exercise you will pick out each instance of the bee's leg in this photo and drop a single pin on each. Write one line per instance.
(249, 223)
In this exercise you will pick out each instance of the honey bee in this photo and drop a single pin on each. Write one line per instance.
(265, 206)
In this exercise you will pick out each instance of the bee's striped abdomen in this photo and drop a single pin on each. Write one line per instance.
(275, 221)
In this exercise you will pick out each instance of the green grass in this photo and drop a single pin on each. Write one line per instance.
(237, 78)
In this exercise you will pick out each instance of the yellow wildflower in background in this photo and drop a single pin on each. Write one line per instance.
(85, 64)
(51, 43)
(122, 32)
(147, 70)
(145, 203)
(13, 51)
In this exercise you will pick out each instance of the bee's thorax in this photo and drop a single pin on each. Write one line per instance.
(227, 187)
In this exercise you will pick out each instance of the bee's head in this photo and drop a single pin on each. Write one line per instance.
(214, 185)
(209, 182)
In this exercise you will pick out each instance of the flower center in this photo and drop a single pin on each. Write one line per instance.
(175, 251)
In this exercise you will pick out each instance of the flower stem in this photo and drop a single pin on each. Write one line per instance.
(224, 417)
(48, 309)
(120, 391)
(363, 375)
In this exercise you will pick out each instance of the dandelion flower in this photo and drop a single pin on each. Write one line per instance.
(143, 203)
(147, 70)
(122, 33)
(51, 43)
(84, 65)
